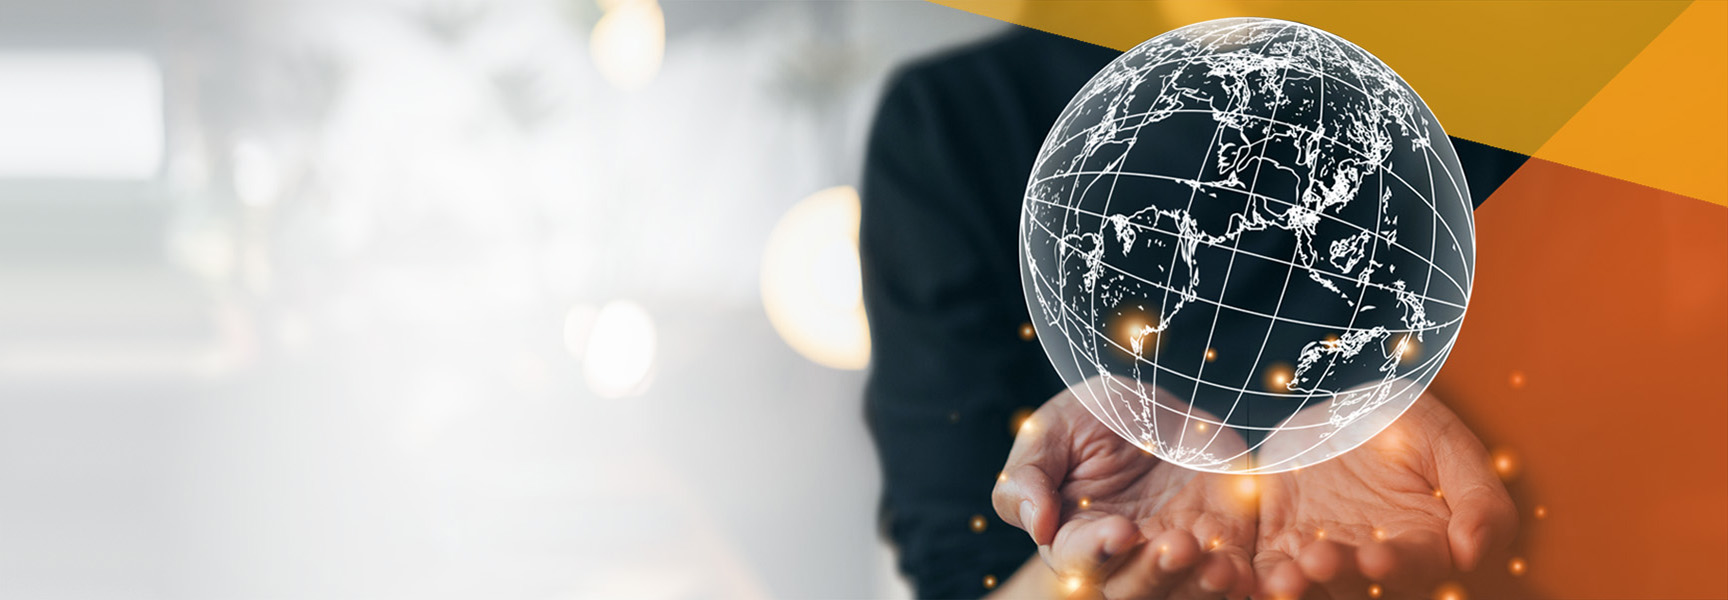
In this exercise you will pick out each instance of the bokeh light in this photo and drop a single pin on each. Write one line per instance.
(619, 354)
(811, 286)
(1451, 590)
(629, 42)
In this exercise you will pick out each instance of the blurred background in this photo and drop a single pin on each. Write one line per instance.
(439, 298)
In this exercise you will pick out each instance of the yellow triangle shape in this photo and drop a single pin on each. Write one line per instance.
(1663, 121)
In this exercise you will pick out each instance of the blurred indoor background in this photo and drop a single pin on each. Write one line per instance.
(439, 298)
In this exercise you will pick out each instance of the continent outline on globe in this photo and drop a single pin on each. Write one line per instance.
(1307, 140)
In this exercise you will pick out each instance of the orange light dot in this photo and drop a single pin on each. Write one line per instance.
(1216, 542)
(1211, 355)
(1085, 503)
(1438, 493)
(1277, 378)
(1021, 420)
(978, 524)
(989, 582)
(1200, 427)
(1027, 333)
(1374, 590)
(1379, 535)
(1506, 464)
(1247, 487)
(1072, 583)
(1001, 477)
(1406, 348)
(1541, 512)
(1516, 379)
(1450, 591)
(1319, 534)
(1516, 566)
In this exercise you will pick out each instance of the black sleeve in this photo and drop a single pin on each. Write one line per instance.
(949, 366)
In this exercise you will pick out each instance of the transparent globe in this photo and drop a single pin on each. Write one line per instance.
(1247, 245)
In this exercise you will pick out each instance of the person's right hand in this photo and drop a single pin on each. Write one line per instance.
(1111, 517)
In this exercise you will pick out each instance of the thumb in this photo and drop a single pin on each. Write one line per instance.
(1484, 520)
(1025, 494)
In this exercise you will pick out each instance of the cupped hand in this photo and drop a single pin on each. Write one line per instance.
(1389, 519)
(1112, 518)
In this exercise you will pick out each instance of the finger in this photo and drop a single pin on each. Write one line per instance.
(1410, 562)
(1234, 574)
(1333, 566)
(1088, 545)
(1025, 494)
(1155, 568)
(1244, 567)
(1215, 577)
(1278, 575)
(1025, 497)
(1484, 519)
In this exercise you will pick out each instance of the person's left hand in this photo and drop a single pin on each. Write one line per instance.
(1400, 514)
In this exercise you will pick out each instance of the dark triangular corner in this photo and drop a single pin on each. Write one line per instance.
(1486, 167)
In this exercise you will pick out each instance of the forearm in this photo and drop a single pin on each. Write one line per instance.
(1033, 579)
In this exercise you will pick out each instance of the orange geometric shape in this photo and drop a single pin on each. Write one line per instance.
(1611, 299)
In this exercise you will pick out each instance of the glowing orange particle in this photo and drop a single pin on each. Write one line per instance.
(1516, 379)
(1085, 503)
(1374, 590)
(1516, 566)
(1450, 591)
(1246, 487)
(1026, 334)
(989, 582)
(1277, 378)
(1506, 464)
(1020, 420)
(1211, 355)
(978, 524)
(1541, 512)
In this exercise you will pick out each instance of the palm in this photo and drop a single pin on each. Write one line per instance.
(1116, 478)
(1384, 513)
(1120, 518)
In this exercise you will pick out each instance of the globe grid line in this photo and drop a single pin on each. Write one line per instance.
(1356, 307)
(1148, 411)
(1413, 126)
(1279, 318)
(1335, 141)
(1069, 313)
(1425, 364)
(1230, 265)
(1270, 259)
(1429, 364)
(1256, 195)
(1061, 298)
